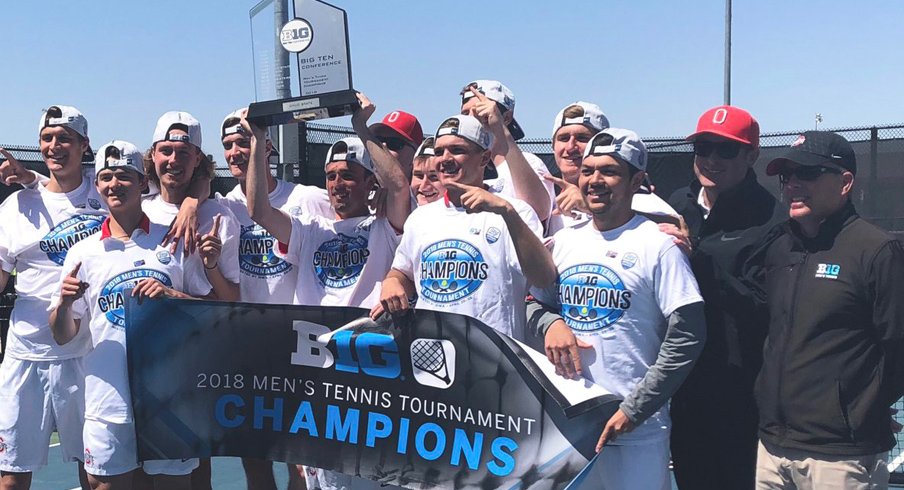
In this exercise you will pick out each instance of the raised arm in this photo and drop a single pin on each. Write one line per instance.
(388, 170)
(526, 183)
(262, 212)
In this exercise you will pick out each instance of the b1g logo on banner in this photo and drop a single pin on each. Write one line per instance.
(428, 400)
(373, 354)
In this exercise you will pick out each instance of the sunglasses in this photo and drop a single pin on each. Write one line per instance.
(393, 143)
(725, 149)
(806, 174)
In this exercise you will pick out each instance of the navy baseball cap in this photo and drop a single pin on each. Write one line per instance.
(816, 148)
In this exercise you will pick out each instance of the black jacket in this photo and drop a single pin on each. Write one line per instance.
(736, 323)
(833, 358)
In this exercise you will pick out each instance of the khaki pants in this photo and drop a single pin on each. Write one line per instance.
(787, 469)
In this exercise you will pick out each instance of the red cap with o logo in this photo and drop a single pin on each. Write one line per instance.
(403, 123)
(729, 122)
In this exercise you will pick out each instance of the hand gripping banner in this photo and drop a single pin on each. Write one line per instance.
(432, 400)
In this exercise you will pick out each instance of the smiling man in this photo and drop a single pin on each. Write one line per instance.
(474, 251)
(572, 128)
(42, 383)
(126, 255)
(833, 363)
(173, 162)
(425, 184)
(727, 212)
(341, 260)
(265, 278)
(630, 315)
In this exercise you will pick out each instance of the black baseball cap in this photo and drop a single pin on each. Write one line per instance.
(816, 148)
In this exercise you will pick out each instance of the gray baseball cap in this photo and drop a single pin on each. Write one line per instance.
(622, 144)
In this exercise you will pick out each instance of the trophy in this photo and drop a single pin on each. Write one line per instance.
(301, 62)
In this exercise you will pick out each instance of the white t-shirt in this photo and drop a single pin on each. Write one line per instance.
(650, 203)
(557, 222)
(265, 277)
(110, 266)
(340, 263)
(160, 211)
(503, 182)
(38, 229)
(615, 290)
(466, 263)
(643, 202)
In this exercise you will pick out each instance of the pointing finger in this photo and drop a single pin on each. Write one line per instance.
(556, 180)
(215, 230)
(458, 186)
(477, 93)
(75, 270)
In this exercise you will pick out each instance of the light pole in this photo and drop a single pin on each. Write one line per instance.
(818, 120)
(727, 90)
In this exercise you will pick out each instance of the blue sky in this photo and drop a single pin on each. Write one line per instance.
(653, 66)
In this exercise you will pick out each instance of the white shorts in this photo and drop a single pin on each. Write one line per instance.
(632, 467)
(111, 449)
(36, 398)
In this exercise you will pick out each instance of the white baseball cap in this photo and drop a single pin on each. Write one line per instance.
(182, 120)
(230, 125)
(467, 127)
(119, 154)
(593, 118)
(349, 150)
(622, 144)
(70, 117)
(425, 149)
(499, 93)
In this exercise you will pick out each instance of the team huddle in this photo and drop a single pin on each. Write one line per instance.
(754, 343)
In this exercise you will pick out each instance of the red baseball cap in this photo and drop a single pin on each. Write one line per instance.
(403, 123)
(729, 122)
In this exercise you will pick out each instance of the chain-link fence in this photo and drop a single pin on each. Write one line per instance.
(879, 150)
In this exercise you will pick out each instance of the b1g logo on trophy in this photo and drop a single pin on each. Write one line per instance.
(301, 62)
(296, 35)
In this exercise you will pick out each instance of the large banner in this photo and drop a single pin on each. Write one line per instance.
(431, 400)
